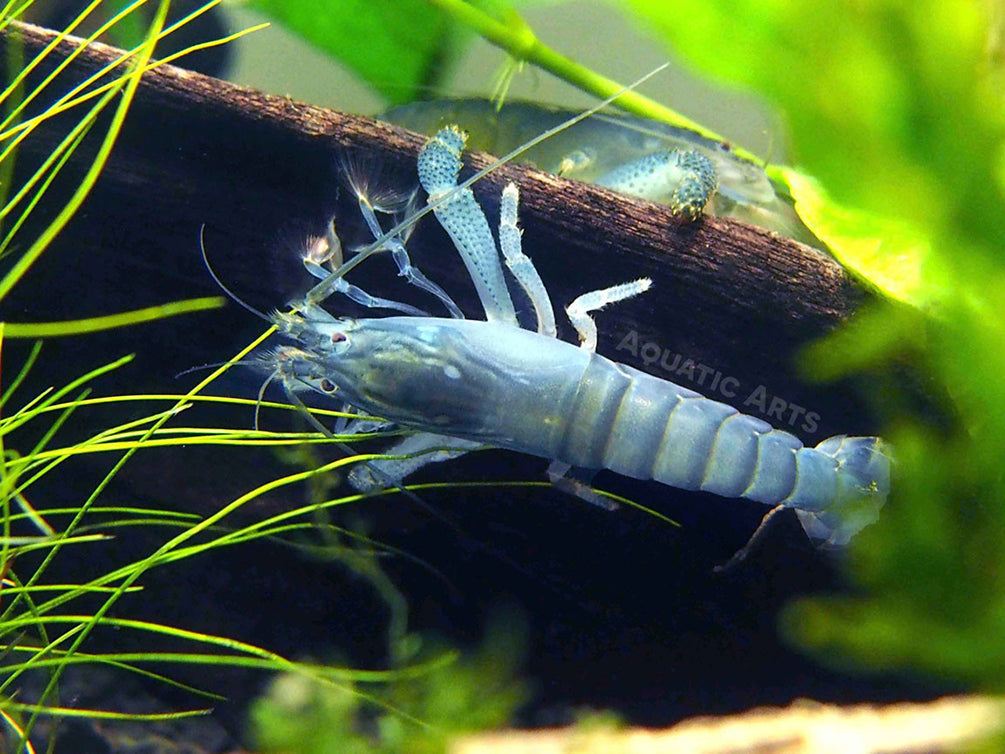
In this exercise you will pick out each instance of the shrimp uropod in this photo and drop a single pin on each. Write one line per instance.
(463, 385)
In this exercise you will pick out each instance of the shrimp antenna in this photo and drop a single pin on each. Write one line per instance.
(326, 287)
(215, 364)
(230, 294)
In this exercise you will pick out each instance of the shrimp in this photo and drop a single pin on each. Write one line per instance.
(462, 385)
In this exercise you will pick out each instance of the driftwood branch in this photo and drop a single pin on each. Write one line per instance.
(261, 172)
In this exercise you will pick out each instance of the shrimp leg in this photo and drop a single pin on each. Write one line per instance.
(419, 449)
(560, 476)
(685, 178)
(465, 223)
(406, 269)
(520, 265)
(580, 308)
(327, 249)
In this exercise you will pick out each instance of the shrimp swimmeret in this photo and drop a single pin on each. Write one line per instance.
(463, 385)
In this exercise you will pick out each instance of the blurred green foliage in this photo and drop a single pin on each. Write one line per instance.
(397, 46)
(896, 107)
(479, 691)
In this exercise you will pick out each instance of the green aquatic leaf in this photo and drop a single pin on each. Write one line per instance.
(892, 256)
(399, 47)
(110, 321)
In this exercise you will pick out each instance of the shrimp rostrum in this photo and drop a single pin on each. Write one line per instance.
(463, 385)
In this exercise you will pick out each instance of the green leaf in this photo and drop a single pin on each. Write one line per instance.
(110, 321)
(897, 107)
(892, 256)
(399, 47)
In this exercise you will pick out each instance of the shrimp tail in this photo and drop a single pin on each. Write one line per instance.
(863, 483)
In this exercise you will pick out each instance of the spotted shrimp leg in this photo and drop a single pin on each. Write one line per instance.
(687, 177)
(465, 222)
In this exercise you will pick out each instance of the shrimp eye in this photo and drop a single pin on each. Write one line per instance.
(338, 337)
(327, 385)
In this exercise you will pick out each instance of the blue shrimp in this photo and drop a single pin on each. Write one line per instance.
(464, 385)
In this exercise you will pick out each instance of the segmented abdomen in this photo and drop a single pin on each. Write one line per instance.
(647, 428)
